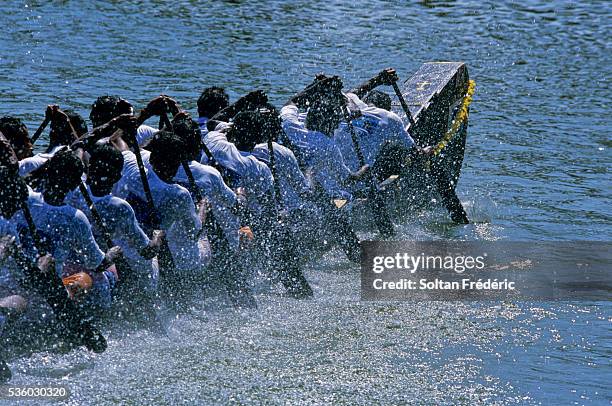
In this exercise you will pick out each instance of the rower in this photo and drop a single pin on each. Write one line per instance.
(174, 204)
(16, 132)
(211, 101)
(62, 134)
(104, 170)
(66, 233)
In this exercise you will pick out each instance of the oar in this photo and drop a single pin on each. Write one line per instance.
(123, 267)
(66, 311)
(237, 289)
(398, 92)
(166, 261)
(291, 275)
(381, 214)
(277, 191)
(443, 183)
(40, 130)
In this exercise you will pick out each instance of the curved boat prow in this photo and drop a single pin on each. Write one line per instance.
(434, 94)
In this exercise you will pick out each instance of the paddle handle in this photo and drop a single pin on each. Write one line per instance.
(356, 145)
(277, 191)
(32, 228)
(402, 101)
(96, 215)
(40, 130)
(192, 183)
(143, 178)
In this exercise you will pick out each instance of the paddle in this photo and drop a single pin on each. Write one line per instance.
(381, 214)
(166, 261)
(443, 183)
(67, 312)
(292, 277)
(237, 288)
(40, 130)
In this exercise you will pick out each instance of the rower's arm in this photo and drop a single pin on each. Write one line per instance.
(250, 101)
(384, 77)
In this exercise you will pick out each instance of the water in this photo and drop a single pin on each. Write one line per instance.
(537, 168)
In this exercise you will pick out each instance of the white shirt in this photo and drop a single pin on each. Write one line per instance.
(254, 176)
(144, 133)
(320, 152)
(202, 121)
(291, 181)
(122, 226)
(175, 208)
(221, 197)
(374, 128)
(29, 165)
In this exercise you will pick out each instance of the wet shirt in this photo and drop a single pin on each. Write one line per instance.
(320, 153)
(220, 196)
(374, 128)
(174, 206)
(251, 174)
(202, 121)
(292, 182)
(144, 134)
(121, 224)
(29, 165)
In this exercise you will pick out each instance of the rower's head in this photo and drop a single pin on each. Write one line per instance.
(104, 170)
(189, 131)
(13, 192)
(63, 174)
(8, 159)
(324, 115)
(168, 151)
(378, 99)
(16, 132)
(78, 122)
(212, 100)
(271, 124)
(105, 108)
(61, 133)
(245, 132)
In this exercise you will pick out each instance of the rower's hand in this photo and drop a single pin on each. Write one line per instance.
(157, 106)
(7, 246)
(387, 77)
(246, 236)
(171, 105)
(46, 263)
(126, 122)
(114, 254)
(362, 171)
(158, 239)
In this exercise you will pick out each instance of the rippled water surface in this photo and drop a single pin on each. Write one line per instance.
(536, 168)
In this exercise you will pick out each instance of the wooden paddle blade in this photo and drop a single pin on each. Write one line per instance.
(381, 214)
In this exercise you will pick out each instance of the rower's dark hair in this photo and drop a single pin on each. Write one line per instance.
(105, 108)
(64, 171)
(15, 131)
(104, 162)
(379, 99)
(246, 130)
(271, 124)
(8, 159)
(212, 100)
(168, 147)
(78, 122)
(189, 131)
